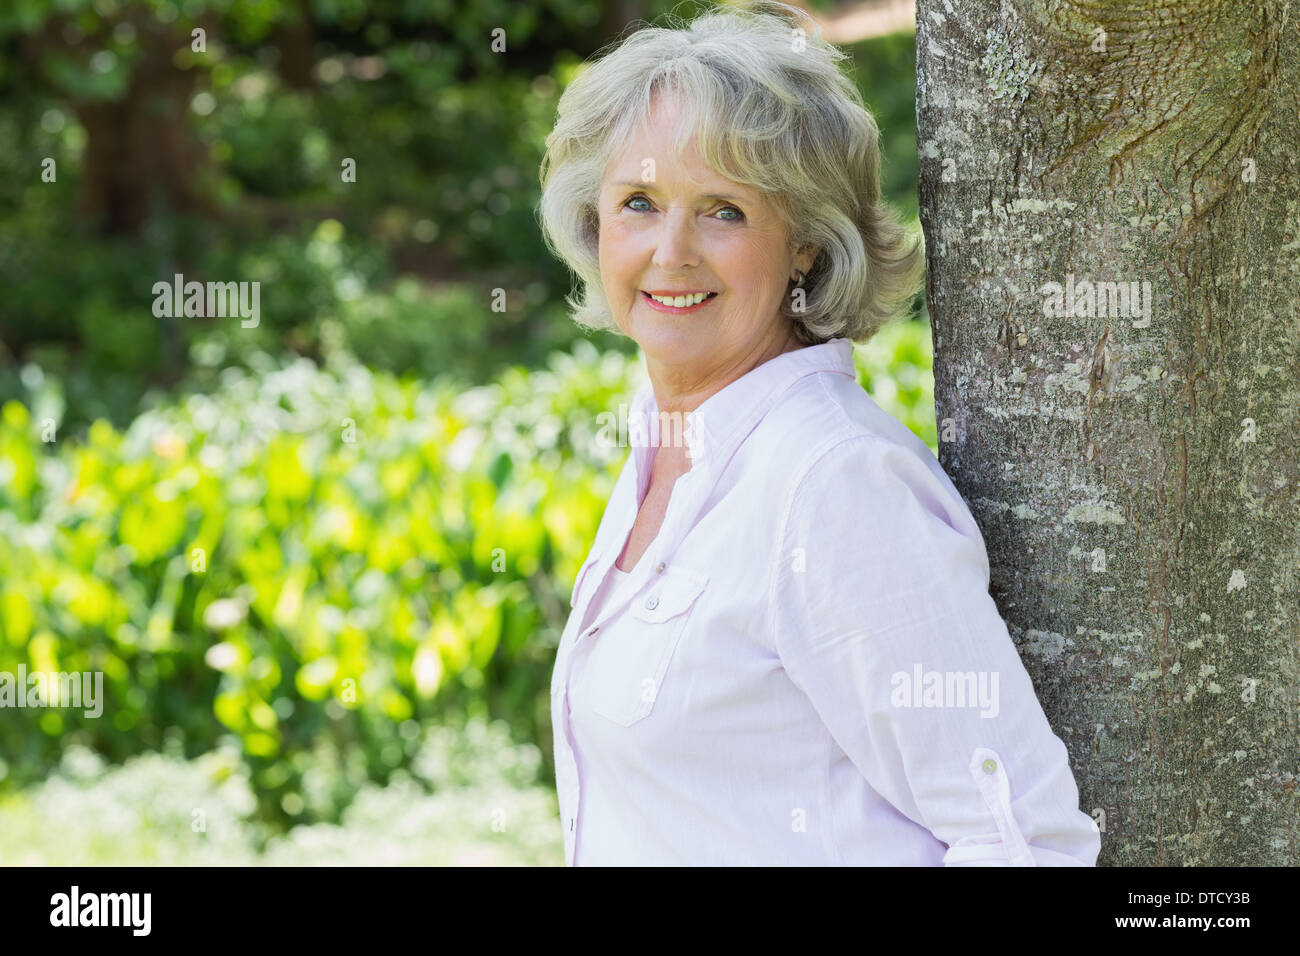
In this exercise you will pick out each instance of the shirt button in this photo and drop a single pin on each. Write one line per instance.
(990, 766)
(651, 603)
(660, 568)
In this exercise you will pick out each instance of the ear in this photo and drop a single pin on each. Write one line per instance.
(806, 256)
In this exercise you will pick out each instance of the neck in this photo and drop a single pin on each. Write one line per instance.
(684, 391)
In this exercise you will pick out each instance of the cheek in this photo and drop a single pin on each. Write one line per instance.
(755, 253)
(616, 249)
(755, 267)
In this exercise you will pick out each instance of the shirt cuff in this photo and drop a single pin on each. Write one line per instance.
(1007, 847)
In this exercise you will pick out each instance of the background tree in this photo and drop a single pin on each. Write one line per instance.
(146, 137)
(1109, 194)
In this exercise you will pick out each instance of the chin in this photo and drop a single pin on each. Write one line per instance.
(668, 339)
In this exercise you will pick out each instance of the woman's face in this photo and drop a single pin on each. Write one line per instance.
(668, 234)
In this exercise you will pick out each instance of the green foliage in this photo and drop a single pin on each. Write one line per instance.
(446, 135)
(885, 70)
(897, 368)
(318, 559)
(451, 331)
(306, 555)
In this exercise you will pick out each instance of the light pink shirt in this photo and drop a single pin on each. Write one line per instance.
(805, 667)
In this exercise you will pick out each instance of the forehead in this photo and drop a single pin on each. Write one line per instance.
(692, 176)
(653, 138)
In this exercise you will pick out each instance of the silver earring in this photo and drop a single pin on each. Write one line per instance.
(799, 276)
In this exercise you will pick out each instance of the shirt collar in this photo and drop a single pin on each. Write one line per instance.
(716, 428)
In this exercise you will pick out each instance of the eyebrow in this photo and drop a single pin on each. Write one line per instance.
(648, 187)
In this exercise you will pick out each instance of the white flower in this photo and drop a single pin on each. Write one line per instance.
(224, 613)
(221, 656)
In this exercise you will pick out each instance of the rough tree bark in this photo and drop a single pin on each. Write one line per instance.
(1136, 474)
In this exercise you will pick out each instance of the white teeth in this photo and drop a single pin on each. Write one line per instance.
(681, 301)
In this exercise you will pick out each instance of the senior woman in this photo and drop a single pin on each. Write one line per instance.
(782, 649)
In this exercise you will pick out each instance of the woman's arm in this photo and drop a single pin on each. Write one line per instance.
(884, 620)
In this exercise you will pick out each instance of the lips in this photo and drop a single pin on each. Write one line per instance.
(661, 307)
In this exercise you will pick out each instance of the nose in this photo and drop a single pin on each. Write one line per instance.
(675, 246)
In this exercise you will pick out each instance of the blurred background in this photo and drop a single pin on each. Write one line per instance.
(322, 563)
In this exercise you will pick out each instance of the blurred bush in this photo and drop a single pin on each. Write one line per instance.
(897, 369)
(470, 798)
(884, 69)
(318, 561)
(313, 557)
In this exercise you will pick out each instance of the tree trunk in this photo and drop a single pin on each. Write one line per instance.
(1136, 472)
(141, 156)
(295, 40)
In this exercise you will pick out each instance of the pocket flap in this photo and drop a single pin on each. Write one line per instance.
(673, 594)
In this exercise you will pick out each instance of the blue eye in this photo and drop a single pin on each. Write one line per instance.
(738, 217)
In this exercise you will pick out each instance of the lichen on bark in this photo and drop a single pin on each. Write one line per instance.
(1137, 478)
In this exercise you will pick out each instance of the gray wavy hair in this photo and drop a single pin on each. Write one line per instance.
(773, 110)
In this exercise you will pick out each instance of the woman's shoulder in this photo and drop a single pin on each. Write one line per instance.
(828, 437)
(819, 412)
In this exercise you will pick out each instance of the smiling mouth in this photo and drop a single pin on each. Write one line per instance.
(665, 307)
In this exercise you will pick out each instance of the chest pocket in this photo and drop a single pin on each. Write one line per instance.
(629, 663)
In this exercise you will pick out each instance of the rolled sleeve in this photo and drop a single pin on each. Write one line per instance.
(882, 618)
